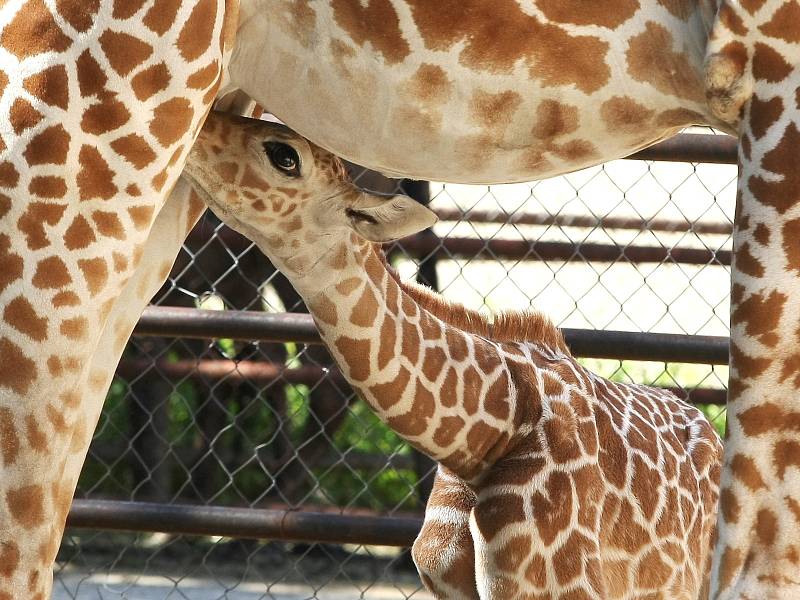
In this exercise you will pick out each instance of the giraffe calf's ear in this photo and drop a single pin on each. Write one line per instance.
(386, 219)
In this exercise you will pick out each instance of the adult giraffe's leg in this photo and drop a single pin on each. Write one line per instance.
(443, 551)
(758, 552)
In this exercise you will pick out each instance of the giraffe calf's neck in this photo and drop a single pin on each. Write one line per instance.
(553, 482)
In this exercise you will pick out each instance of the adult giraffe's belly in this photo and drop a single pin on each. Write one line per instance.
(473, 95)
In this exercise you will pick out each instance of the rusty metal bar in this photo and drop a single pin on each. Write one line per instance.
(247, 523)
(690, 147)
(583, 221)
(267, 372)
(255, 326)
(525, 250)
(428, 246)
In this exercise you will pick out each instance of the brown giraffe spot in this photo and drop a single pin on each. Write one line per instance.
(561, 434)
(768, 64)
(74, 329)
(9, 176)
(473, 382)
(745, 469)
(95, 178)
(627, 533)
(763, 114)
(171, 120)
(554, 119)
(553, 55)
(569, 559)
(159, 180)
(355, 354)
(56, 418)
(784, 22)
(622, 113)
(80, 15)
(135, 150)
(18, 371)
(133, 190)
(646, 487)
(22, 115)
(48, 147)
(9, 559)
(409, 341)
(79, 234)
(125, 52)
(494, 111)
(348, 286)
(48, 187)
(20, 314)
(762, 316)
(430, 85)
(494, 513)
(730, 19)
(325, 310)
(202, 78)
(26, 505)
(653, 572)
(51, 273)
(448, 429)
(679, 8)
(195, 37)
(104, 116)
(513, 553)
(783, 160)
(33, 220)
(766, 526)
(161, 16)
(91, 78)
(51, 86)
(125, 9)
(251, 179)
(108, 224)
(791, 243)
(576, 12)
(120, 262)
(761, 235)
(679, 117)
(651, 60)
(536, 571)
(456, 344)
(388, 338)
(95, 272)
(65, 299)
(388, 394)
(449, 390)
(33, 30)
(9, 440)
(613, 456)
(552, 508)
(785, 454)
(752, 6)
(496, 401)
(746, 262)
(36, 438)
(376, 23)
(729, 505)
(415, 421)
(433, 362)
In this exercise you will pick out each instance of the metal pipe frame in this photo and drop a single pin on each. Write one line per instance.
(159, 321)
(244, 523)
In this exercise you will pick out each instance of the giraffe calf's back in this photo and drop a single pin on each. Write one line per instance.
(611, 490)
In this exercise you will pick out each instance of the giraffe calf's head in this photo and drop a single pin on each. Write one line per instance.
(289, 196)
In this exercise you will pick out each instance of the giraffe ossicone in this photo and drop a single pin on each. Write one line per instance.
(553, 482)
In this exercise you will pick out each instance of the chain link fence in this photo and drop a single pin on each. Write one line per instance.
(631, 245)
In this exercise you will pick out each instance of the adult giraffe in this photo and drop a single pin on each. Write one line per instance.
(461, 91)
(510, 90)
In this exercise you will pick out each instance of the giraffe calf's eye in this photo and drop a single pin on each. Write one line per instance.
(283, 157)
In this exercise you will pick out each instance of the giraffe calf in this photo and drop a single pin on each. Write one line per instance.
(553, 483)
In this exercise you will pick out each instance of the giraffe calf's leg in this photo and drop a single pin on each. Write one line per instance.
(443, 552)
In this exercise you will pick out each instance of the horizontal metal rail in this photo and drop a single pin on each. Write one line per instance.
(583, 221)
(424, 246)
(297, 327)
(265, 372)
(690, 147)
(247, 523)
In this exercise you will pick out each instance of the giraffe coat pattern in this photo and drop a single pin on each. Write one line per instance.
(553, 482)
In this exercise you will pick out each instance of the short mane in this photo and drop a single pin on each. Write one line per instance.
(507, 326)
